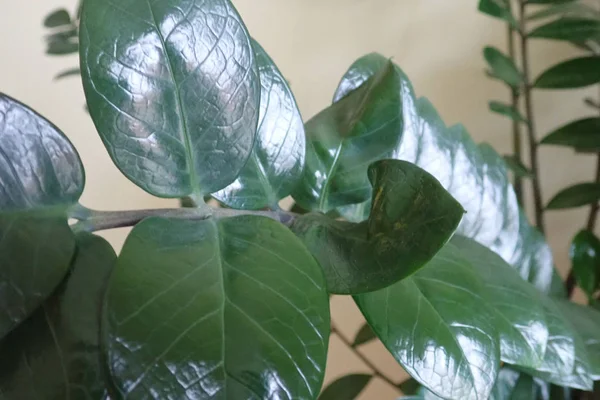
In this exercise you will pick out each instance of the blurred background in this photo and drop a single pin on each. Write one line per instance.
(438, 43)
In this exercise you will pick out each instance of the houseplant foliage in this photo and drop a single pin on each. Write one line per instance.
(233, 302)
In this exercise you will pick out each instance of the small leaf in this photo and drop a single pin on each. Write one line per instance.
(67, 73)
(571, 74)
(55, 354)
(173, 90)
(499, 9)
(584, 135)
(585, 261)
(503, 67)
(222, 307)
(57, 18)
(410, 386)
(592, 103)
(506, 110)
(41, 177)
(364, 335)
(514, 385)
(346, 388)
(572, 9)
(569, 29)
(277, 161)
(517, 167)
(578, 195)
(412, 217)
(62, 47)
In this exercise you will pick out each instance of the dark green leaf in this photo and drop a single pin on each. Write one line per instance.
(233, 308)
(584, 135)
(578, 195)
(67, 73)
(61, 47)
(410, 386)
(474, 175)
(175, 96)
(277, 160)
(63, 36)
(572, 9)
(506, 110)
(514, 385)
(517, 167)
(298, 210)
(585, 261)
(519, 314)
(55, 354)
(412, 217)
(569, 29)
(591, 103)
(499, 9)
(41, 177)
(346, 388)
(57, 18)
(437, 326)
(502, 67)
(571, 74)
(364, 335)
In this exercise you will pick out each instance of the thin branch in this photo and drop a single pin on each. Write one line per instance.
(531, 134)
(365, 360)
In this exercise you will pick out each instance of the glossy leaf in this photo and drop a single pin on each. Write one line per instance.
(517, 167)
(571, 74)
(506, 110)
(346, 388)
(364, 335)
(55, 354)
(474, 175)
(519, 314)
(41, 177)
(502, 67)
(569, 29)
(576, 196)
(499, 9)
(514, 385)
(67, 73)
(572, 9)
(437, 326)
(412, 217)
(277, 160)
(57, 18)
(585, 261)
(583, 135)
(566, 360)
(233, 308)
(173, 90)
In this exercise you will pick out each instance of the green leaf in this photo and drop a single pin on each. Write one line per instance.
(474, 175)
(233, 308)
(578, 195)
(585, 261)
(174, 95)
(502, 67)
(346, 388)
(569, 29)
(571, 74)
(68, 73)
(412, 217)
(57, 18)
(583, 135)
(364, 335)
(277, 160)
(499, 9)
(437, 325)
(514, 385)
(410, 386)
(517, 167)
(55, 354)
(518, 315)
(566, 361)
(61, 47)
(41, 177)
(549, 1)
(506, 110)
(572, 9)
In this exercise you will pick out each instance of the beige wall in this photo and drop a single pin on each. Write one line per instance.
(437, 42)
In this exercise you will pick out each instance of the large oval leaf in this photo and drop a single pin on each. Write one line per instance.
(41, 176)
(55, 354)
(173, 90)
(585, 261)
(570, 29)
(277, 160)
(437, 325)
(412, 217)
(234, 308)
(474, 175)
(571, 74)
(583, 135)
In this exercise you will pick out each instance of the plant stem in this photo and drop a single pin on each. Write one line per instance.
(102, 220)
(516, 127)
(531, 134)
(365, 360)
